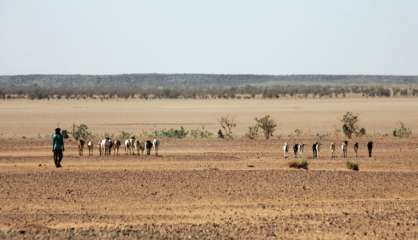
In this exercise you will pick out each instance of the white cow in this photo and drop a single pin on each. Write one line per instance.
(155, 146)
(105, 146)
(90, 147)
(285, 150)
(129, 145)
(318, 146)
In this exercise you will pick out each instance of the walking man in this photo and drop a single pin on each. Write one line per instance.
(57, 147)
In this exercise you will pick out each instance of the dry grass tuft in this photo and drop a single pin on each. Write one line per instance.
(300, 164)
(352, 166)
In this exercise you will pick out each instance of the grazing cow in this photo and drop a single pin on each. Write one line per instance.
(105, 146)
(315, 148)
(81, 143)
(301, 148)
(356, 148)
(109, 146)
(370, 148)
(116, 147)
(318, 146)
(100, 147)
(285, 150)
(332, 149)
(90, 147)
(129, 145)
(295, 150)
(148, 146)
(138, 147)
(344, 146)
(155, 146)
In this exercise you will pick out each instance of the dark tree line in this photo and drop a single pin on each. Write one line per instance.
(146, 86)
(303, 91)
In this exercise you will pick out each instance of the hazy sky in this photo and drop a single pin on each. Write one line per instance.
(209, 36)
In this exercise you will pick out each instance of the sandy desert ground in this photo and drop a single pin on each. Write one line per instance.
(37, 118)
(207, 188)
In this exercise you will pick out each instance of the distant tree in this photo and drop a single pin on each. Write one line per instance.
(81, 132)
(350, 125)
(267, 124)
(227, 124)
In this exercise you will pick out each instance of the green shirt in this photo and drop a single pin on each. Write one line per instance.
(57, 142)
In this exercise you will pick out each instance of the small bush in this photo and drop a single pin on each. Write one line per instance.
(172, 133)
(267, 124)
(362, 132)
(200, 133)
(252, 132)
(402, 131)
(220, 134)
(81, 132)
(146, 134)
(124, 135)
(227, 124)
(300, 164)
(352, 166)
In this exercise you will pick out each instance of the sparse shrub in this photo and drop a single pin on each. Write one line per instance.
(201, 132)
(172, 133)
(352, 166)
(267, 124)
(402, 131)
(227, 124)
(81, 132)
(220, 134)
(362, 132)
(320, 136)
(350, 125)
(124, 135)
(252, 132)
(300, 164)
(298, 132)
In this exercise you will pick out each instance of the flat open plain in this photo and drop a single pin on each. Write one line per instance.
(207, 188)
(38, 118)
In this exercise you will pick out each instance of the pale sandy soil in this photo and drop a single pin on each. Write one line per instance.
(38, 118)
(209, 189)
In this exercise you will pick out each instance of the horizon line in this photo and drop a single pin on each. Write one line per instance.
(226, 74)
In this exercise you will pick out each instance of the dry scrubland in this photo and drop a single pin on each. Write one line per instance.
(207, 188)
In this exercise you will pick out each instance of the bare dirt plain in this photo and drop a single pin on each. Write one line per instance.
(208, 189)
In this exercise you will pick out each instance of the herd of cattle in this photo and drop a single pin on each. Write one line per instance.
(134, 146)
(298, 149)
(131, 145)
